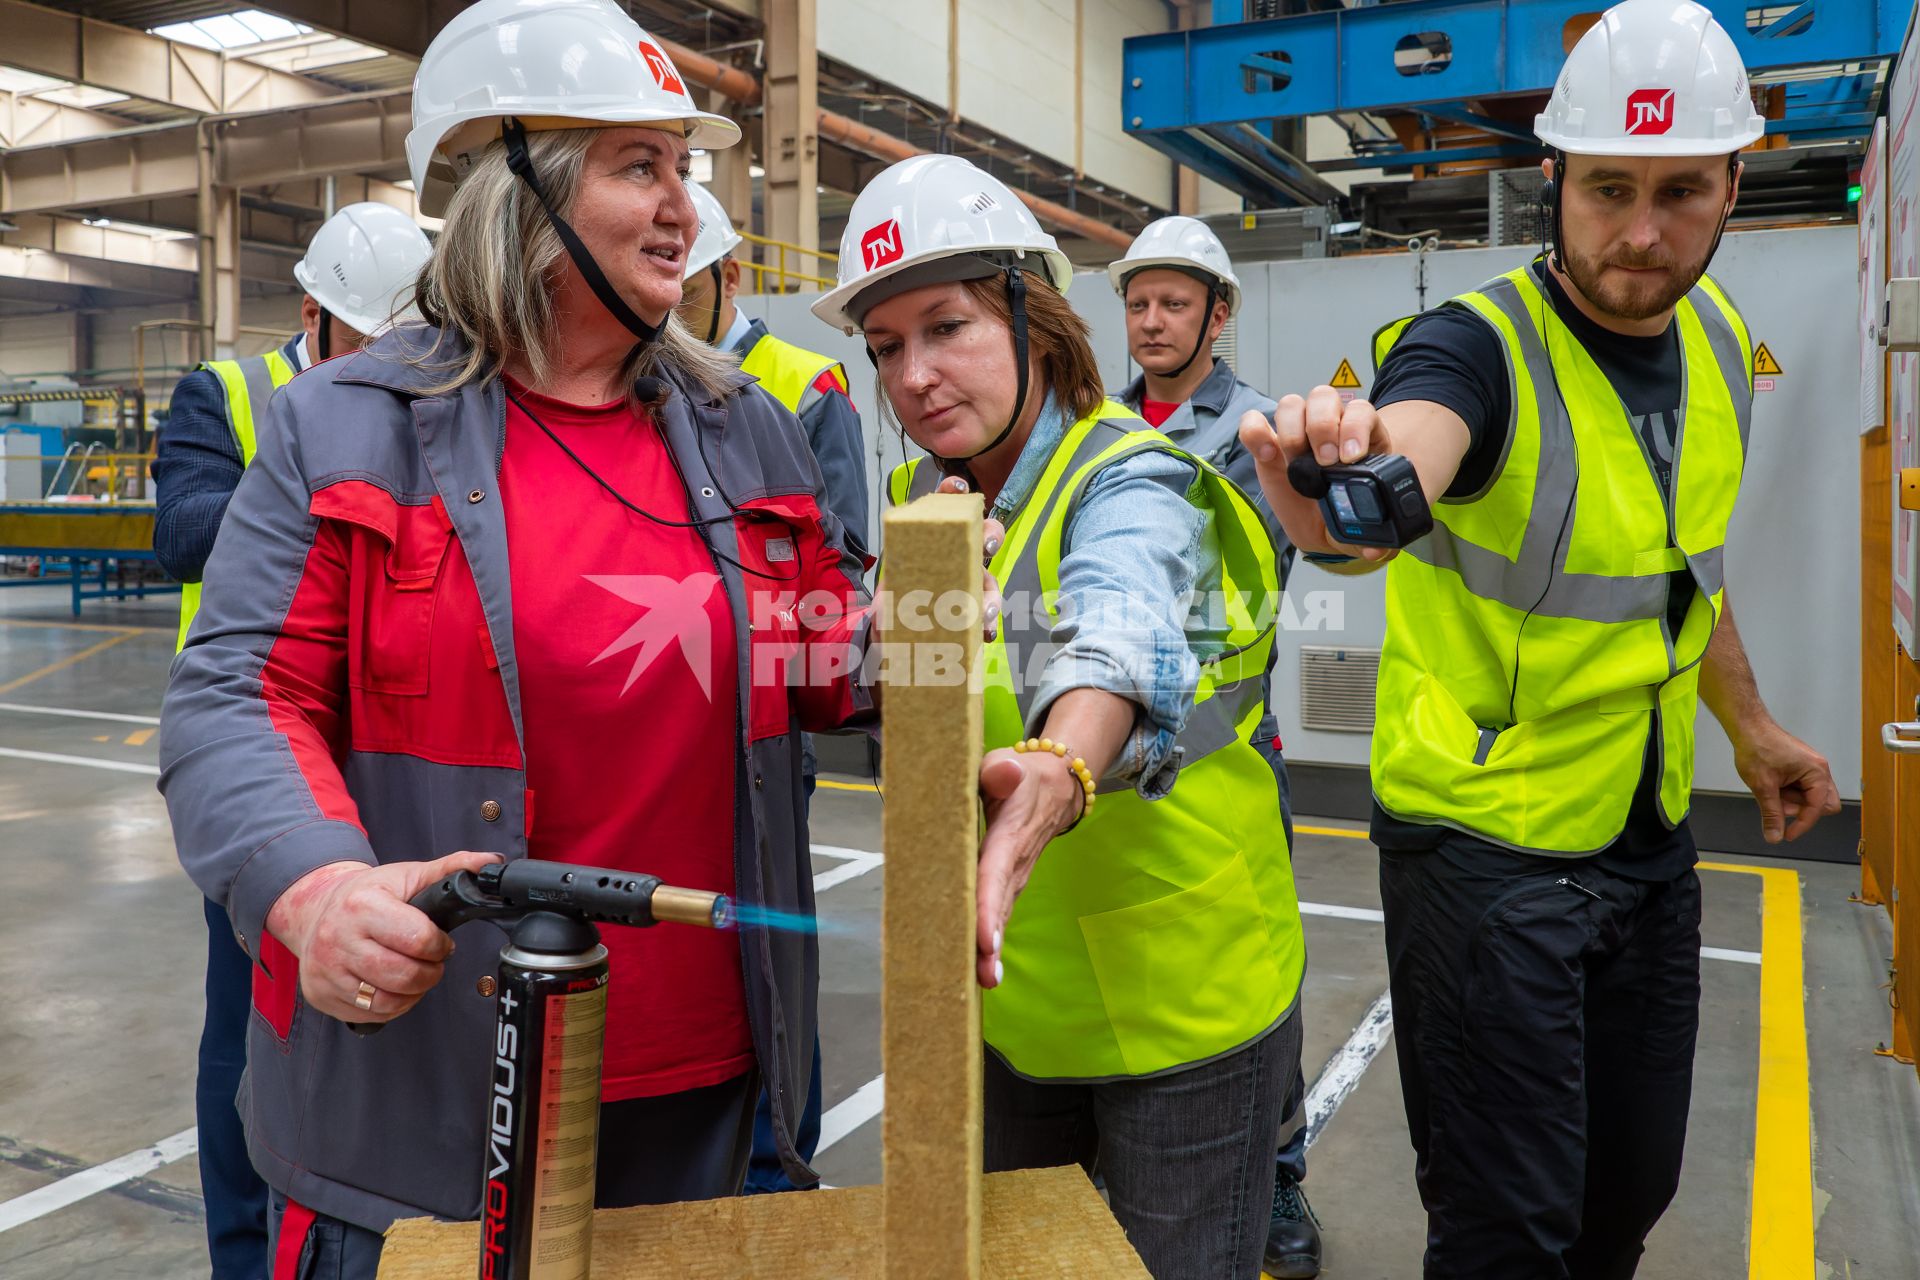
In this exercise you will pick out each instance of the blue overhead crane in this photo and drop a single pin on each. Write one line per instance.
(1208, 97)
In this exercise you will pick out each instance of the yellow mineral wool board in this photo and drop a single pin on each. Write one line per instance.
(1037, 1224)
(929, 996)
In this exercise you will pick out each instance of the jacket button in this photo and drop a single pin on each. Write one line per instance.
(478, 495)
(490, 810)
(759, 782)
(484, 986)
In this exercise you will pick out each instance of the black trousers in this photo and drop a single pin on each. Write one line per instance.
(1545, 1016)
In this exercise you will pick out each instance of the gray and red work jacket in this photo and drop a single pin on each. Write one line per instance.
(349, 692)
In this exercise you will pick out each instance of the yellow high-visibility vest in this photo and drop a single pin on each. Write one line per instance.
(247, 382)
(1528, 653)
(1155, 934)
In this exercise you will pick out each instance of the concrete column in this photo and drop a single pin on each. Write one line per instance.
(219, 244)
(732, 182)
(790, 148)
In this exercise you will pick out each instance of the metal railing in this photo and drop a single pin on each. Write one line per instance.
(785, 279)
(87, 473)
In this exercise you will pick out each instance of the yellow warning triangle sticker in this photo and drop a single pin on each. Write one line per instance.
(1345, 380)
(1763, 361)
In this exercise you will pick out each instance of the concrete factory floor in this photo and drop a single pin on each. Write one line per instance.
(104, 940)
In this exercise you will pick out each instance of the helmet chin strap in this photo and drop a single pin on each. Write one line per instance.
(1206, 322)
(325, 340)
(1016, 303)
(514, 134)
(713, 325)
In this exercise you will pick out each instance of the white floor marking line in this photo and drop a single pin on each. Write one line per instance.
(102, 1177)
(1728, 953)
(853, 864)
(1341, 1075)
(48, 757)
(116, 716)
(860, 1106)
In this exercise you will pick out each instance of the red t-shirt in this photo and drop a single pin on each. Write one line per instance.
(625, 642)
(1157, 412)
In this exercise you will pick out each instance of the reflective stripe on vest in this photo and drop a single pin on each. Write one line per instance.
(247, 382)
(789, 372)
(1528, 651)
(1156, 934)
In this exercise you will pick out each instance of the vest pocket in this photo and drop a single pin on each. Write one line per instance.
(1189, 975)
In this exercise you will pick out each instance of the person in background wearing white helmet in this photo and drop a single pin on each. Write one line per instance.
(518, 582)
(358, 274)
(1585, 420)
(1179, 290)
(1133, 829)
(814, 388)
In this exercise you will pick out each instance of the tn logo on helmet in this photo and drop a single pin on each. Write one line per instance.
(1650, 111)
(663, 73)
(881, 245)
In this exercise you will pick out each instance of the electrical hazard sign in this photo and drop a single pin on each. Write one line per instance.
(1344, 378)
(1763, 361)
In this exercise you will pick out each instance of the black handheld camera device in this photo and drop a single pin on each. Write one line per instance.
(1375, 502)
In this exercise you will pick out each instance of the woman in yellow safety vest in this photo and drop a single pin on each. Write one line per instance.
(1142, 990)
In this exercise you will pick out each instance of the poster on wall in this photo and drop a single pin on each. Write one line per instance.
(1873, 274)
(1903, 374)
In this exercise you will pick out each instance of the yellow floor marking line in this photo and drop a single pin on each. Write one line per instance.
(80, 626)
(1345, 833)
(66, 662)
(831, 785)
(139, 737)
(1780, 1238)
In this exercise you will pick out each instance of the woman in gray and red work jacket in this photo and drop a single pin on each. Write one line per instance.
(508, 582)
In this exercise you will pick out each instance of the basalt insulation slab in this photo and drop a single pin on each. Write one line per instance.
(1036, 1224)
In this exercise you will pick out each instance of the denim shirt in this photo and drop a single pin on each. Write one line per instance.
(1134, 549)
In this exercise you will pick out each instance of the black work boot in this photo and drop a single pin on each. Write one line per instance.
(1293, 1237)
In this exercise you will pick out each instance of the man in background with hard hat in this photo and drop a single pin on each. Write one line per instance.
(814, 388)
(358, 274)
(1585, 417)
(1179, 291)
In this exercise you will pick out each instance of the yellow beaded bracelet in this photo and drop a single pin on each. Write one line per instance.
(1088, 789)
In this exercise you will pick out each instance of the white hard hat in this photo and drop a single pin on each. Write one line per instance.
(361, 266)
(716, 238)
(934, 209)
(1652, 78)
(550, 64)
(1186, 244)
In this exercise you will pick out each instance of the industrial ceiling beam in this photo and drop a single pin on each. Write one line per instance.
(352, 133)
(108, 56)
(73, 238)
(408, 28)
(27, 121)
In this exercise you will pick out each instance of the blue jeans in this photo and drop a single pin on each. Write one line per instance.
(764, 1171)
(235, 1196)
(1185, 1156)
(1291, 1160)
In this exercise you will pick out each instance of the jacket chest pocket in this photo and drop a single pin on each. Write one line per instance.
(397, 558)
(770, 553)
